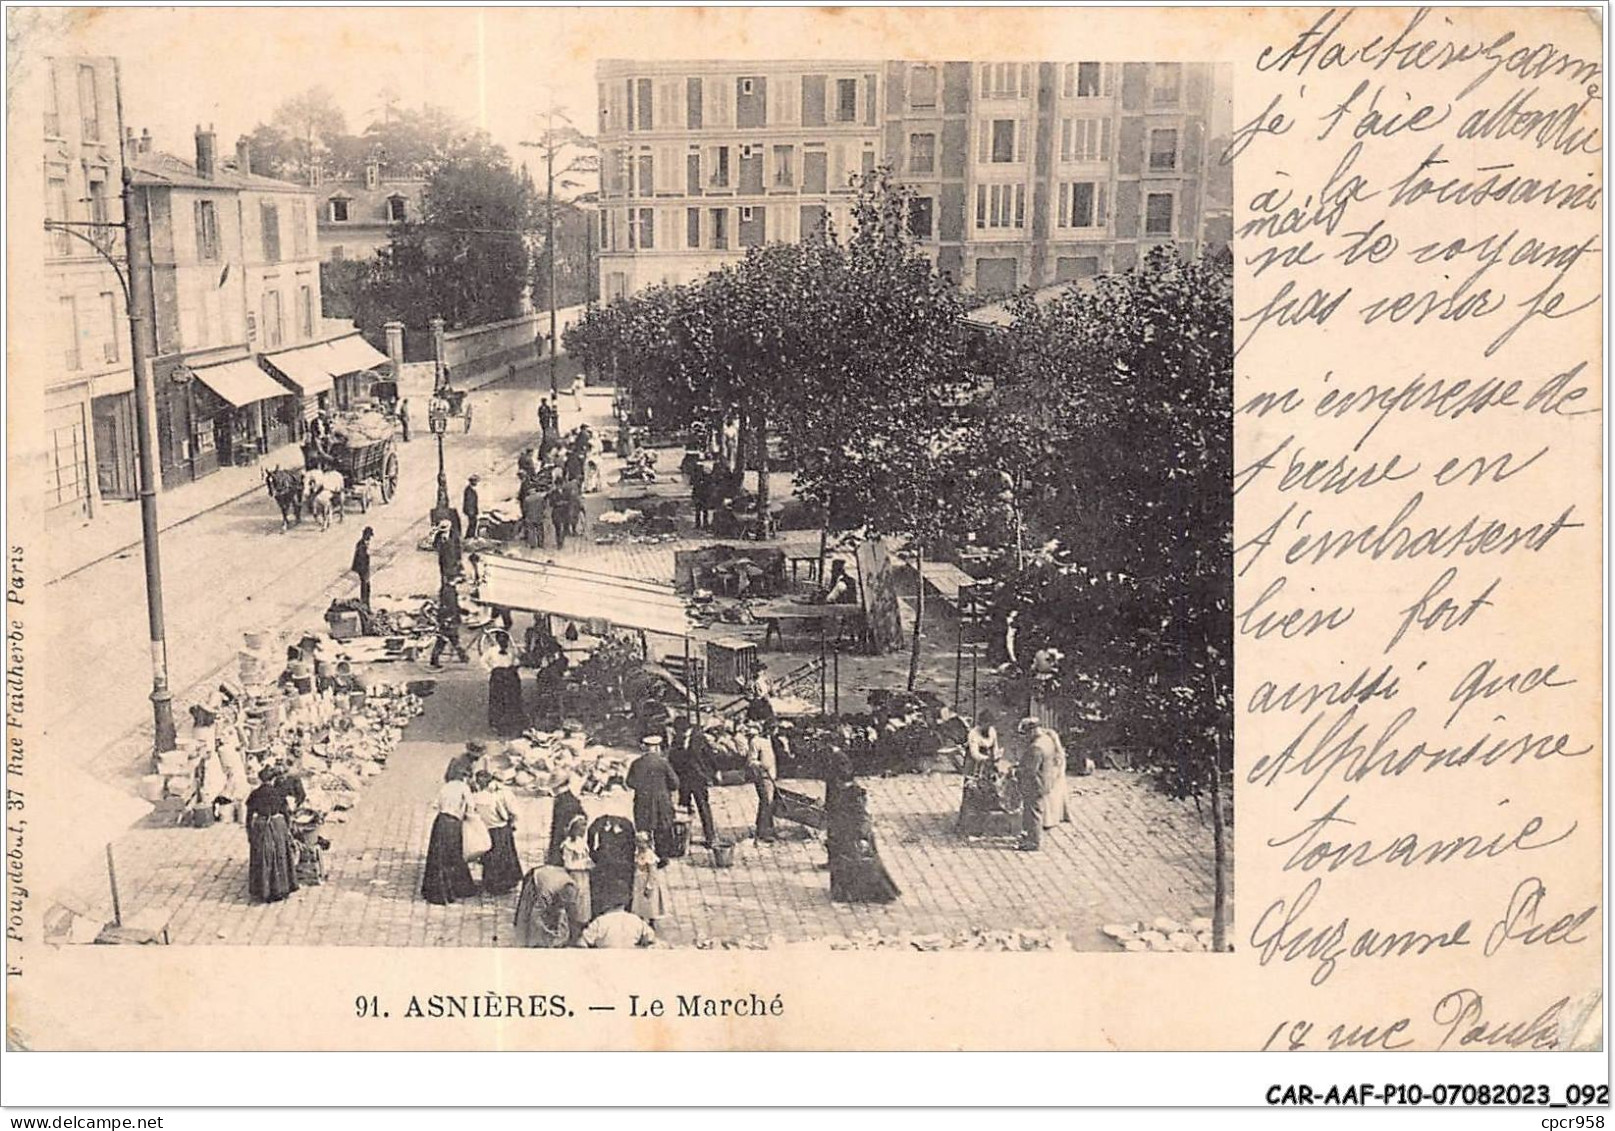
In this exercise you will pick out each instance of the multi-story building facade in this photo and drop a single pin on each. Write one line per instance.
(89, 443)
(1026, 174)
(355, 217)
(241, 355)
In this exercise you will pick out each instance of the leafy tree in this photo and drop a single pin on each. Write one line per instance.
(274, 152)
(1135, 380)
(311, 120)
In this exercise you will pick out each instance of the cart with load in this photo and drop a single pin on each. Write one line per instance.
(363, 452)
(449, 404)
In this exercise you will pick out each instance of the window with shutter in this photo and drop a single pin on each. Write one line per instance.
(1163, 151)
(922, 88)
(692, 228)
(1166, 84)
(846, 100)
(922, 153)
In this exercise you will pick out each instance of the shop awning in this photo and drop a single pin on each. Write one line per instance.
(239, 382)
(308, 368)
(544, 587)
(353, 354)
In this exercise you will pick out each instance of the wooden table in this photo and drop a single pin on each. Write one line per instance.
(946, 579)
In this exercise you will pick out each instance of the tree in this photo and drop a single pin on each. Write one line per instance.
(568, 153)
(1135, 376)
(274, 152)
(474, 212)
(311, 120)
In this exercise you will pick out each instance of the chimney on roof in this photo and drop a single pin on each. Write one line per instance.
(206, 153)
(372, 170)
(244, 157)
(145, 140)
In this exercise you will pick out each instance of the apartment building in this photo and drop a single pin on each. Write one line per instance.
(701, 161)
(1026, 173)
(89, 446)
(241, 355)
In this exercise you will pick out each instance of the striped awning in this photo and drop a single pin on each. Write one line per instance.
(239, 382)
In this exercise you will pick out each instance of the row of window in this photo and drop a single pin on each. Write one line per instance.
(209, 249)
(1078, 205)
(723, 168)
(271, 319)
(59, 206)
(339, 209)
(712, 229)
(746, 102)
(89, 104)
(93, 335)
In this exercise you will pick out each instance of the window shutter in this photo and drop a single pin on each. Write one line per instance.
(1107, 79)
(1065, 206)
(1103, 206)
(1020, 206)
(984, 140)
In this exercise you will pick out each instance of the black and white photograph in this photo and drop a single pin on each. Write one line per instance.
(748, 504)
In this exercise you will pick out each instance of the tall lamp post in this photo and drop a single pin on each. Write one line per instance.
(136, 284)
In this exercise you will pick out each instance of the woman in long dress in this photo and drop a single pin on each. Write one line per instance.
(856, 872)
(611, 847)
(501, 868)
(448, 876)
(506, 713)
(271, 859)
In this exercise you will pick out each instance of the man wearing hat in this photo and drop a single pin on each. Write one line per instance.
(1041, 777)
(691, 758)
(470, 506)
(653, 781)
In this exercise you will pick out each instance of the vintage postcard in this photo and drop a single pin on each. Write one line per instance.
(987, 529)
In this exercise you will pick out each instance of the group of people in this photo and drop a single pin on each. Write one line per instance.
(553, 479)
(1038, 770)
(474, 824)
(599, 884)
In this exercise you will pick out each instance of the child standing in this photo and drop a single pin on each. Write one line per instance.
(648, 902)
(578, 863)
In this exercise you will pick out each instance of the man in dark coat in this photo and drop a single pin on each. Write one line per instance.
(535, 509)
(565, 808)
(361, 565)
(471, 505)
(691, 759)
(653, 781)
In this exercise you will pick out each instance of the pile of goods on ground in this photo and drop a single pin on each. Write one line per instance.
(1161, 934)
(542, 761)
(331, 736)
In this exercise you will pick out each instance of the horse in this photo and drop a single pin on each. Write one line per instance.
(325, 496)
(286, 488)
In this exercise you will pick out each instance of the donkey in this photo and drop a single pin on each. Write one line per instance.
(286, 488)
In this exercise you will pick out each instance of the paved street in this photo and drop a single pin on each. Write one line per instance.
(1129, 854)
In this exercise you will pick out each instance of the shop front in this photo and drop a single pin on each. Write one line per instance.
(306, 370)
(243, 402)
(355, 364)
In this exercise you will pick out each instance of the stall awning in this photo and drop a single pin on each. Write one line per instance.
(239, 382)
(544, 587)
(308, 368)
(354, 354)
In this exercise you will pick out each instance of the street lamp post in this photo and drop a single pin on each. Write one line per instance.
(135, 280)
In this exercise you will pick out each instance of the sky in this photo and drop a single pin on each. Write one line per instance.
(494, 67)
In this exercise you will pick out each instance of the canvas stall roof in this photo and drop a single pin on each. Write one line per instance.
(353, 354)
(308, 368)
(239, 382)
(544, 587)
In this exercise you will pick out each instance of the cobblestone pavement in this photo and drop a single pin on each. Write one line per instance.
(1128, 854)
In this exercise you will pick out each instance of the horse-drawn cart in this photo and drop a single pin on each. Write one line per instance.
(366, 464)
(447, 404)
